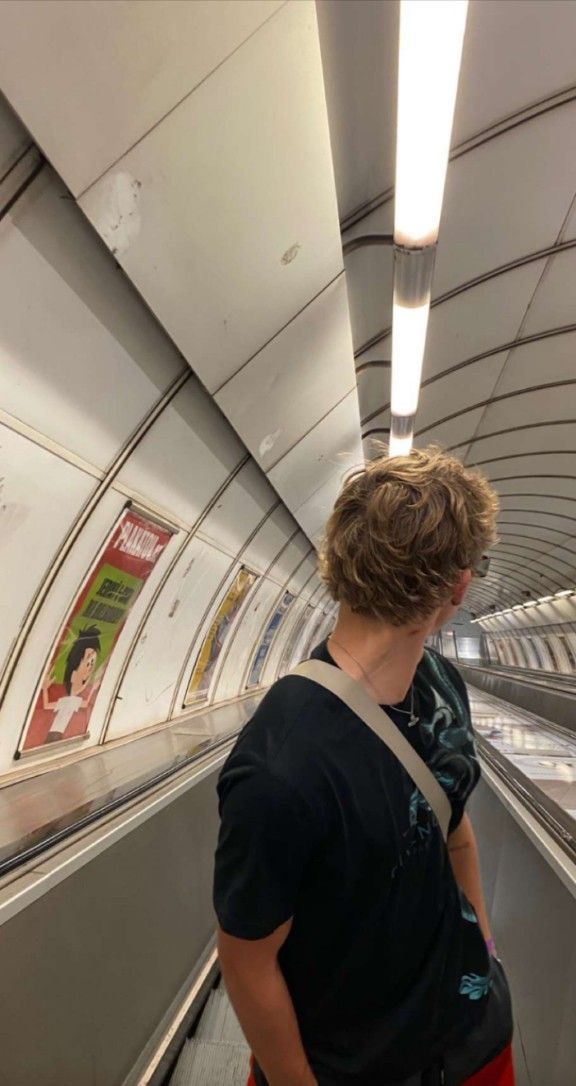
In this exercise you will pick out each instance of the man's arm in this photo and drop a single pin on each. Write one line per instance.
(259, 995)
(463, 853)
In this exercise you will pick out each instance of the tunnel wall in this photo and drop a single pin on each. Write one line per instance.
(105, 428)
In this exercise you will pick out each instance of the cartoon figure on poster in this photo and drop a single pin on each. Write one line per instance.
(80, 682)
(84, 647)
(269, 634)
(199, 685)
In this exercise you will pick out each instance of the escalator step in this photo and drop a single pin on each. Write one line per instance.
(218, 1022)
(206, 1063)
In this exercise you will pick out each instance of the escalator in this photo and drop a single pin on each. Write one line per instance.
(217, 1053)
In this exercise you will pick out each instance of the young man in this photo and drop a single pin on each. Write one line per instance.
(354, 945)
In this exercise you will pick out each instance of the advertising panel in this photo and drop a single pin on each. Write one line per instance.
(269, 633)
(295, 640)
(85, 644)
(205, 666)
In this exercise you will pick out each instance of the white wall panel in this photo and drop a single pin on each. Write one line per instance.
(40, 497)
(539, 363)
(42, 636)
(290, 559)
(299, 580)
(81, 359)
(148, 687)
(185, 456)
(238, 511)
(232, 672)
(112, 71)
(13, 137)
(241, 268)
(302, 373)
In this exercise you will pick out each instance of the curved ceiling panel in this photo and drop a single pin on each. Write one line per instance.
(499, 380)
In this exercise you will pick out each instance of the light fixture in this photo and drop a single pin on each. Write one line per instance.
(545, 599)
(565, 592)
(431, 36)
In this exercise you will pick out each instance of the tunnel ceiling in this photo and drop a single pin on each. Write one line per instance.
(499, 376)
(194, 136)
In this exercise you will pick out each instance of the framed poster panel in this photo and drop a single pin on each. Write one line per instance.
(207, 659)
(86, 641)
(267, 638)
(296, 640)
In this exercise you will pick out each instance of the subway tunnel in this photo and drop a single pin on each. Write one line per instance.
(198, 274)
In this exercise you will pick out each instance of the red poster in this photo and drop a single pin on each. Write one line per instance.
(84, 647)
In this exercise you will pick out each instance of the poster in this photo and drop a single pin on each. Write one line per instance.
(205, 665)
(92, 627)
(264, 647)
(295, 640)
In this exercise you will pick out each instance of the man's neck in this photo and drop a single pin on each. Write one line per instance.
(381, 656)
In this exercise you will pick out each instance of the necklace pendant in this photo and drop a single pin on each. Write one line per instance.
(413, 720)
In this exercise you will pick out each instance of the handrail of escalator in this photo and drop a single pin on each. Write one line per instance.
(565, 684)
(30, 852)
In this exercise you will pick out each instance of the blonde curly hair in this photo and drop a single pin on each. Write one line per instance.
(402, 530)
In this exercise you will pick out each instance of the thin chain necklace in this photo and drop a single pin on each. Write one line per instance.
(413, 719)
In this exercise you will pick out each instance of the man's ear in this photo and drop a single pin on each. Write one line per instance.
(461, 586)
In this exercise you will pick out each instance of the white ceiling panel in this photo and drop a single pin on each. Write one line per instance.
(457, 391)
(314, 513)
(551, 528)
(555, 303)
(515, 53)
(479, 319)
(530, 439)
(332, 447)
(520, 198)
(454, 431)
(543, 483)
(13, 138)
(300, 375)
(92, 362)
(238, 511)
(185, 456)
(373, 389)
(111, 71)
(554, 462)
(517, 410)
(224, 232)
(542, 362)
(359, 53)
(369, 274)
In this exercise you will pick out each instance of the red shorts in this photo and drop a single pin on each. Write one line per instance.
(499, 1072)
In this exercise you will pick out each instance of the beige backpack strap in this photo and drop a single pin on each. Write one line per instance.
(355, 697)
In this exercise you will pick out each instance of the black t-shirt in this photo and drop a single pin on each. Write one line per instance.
(385, 961)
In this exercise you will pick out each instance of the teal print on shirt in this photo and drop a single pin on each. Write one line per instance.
(467, 910)
(475, 986)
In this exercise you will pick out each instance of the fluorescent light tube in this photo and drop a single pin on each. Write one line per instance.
(409, 324)
(400, 446)
(431, 36)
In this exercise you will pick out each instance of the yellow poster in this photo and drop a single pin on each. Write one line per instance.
(205, 665)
